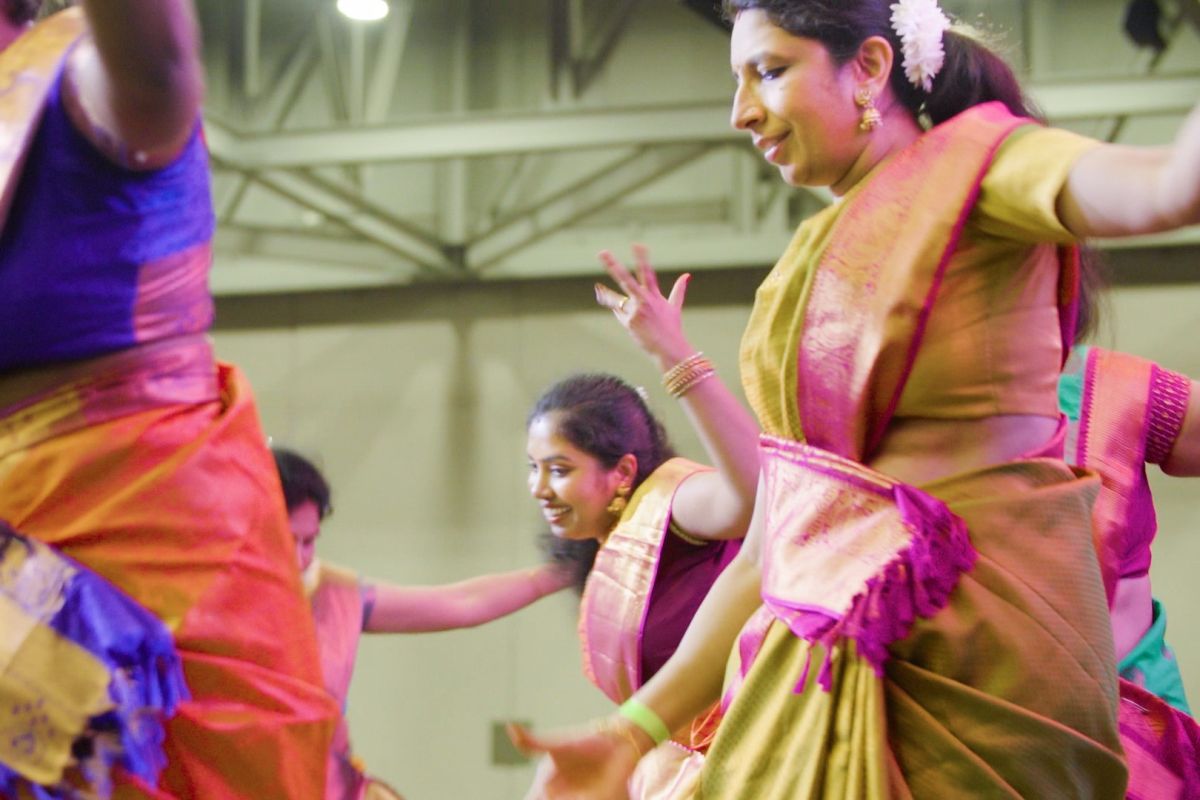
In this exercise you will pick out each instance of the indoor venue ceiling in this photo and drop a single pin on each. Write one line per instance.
(475, 139)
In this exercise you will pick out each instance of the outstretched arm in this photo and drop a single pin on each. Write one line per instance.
(419, 609)
(134, 87)
(1118, 190)
(708, 505)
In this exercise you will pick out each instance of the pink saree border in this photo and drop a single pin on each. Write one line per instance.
(917, 188)
(1114, 421)
(659, 488)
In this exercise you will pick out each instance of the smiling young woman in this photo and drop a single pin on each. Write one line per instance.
(601, 469)
(576, 491)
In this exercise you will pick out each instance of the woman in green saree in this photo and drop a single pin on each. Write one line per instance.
(917, 609)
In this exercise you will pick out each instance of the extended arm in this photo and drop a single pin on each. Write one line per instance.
(1118, 190)
(418, 609)
(708, 505)
(135, 86)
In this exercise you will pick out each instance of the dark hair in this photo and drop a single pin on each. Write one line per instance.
(1093, 293)
(576, 556)
(301, 481)
(21, 12)
(606, 418)
(972, 73)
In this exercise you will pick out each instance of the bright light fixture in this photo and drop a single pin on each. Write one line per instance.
(365, 10)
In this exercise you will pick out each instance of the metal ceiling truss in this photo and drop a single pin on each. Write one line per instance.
(579, 50)
(489, 135)
(269, 71)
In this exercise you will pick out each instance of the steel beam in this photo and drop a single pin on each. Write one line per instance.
(480, 135)
(387, 62)
(577, 201)
(352, 215)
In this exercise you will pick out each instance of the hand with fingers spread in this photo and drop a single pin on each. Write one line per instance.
(592, 763)
(654, 320)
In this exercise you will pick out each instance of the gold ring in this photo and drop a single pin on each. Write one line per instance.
(621, 305)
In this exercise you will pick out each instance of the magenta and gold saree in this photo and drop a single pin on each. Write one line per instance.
(947, 640)
(1128, 414)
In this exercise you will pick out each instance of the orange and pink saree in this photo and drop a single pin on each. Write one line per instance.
(148, 467)
(153, 472)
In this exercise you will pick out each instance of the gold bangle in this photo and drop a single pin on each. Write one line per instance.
(686, 386)
(683, 366)
(685, 382)
(680, 378)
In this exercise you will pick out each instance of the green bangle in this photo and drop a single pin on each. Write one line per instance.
(645, 718)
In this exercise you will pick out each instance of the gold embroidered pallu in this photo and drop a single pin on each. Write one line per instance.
(938, 678)
(613, 621)
(86, 677)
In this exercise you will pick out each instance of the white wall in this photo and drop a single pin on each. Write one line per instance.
(415, 402)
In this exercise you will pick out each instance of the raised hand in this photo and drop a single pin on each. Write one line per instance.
(593, 763)
(654, 320)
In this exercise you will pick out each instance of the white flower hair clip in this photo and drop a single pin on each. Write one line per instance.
(920, 24)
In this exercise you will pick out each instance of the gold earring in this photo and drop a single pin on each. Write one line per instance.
(871, 118)
(619, 501)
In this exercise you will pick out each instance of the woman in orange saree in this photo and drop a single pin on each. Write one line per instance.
(124, 445)
(917, 610)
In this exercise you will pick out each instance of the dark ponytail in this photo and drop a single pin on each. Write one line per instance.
(574, 556)
(972, 74)
(1094, 280)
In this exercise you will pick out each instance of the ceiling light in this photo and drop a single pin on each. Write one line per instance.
(365, 10)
